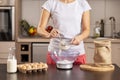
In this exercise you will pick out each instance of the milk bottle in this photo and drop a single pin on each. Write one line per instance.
(11, 62)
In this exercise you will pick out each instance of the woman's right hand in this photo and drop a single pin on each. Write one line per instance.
(54, 33)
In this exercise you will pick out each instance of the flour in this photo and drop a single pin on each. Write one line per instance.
(64, 45)
(64, 62)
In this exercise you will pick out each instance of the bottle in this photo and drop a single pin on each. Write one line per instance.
(97, 29)
(102, 28)
(11, 61)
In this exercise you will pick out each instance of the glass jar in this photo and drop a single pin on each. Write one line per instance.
(11, 61)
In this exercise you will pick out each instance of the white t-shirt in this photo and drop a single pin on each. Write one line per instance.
(67, 19)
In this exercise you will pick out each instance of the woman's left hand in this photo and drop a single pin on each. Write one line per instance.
(76, 40)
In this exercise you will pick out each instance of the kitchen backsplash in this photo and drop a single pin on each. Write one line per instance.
(101, 9)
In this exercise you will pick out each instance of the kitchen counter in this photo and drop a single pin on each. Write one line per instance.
(41, 39)
(32, 39)
(55, 74)
(43, 48)
(111, 39)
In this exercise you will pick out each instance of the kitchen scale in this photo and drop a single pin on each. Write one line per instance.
(64, 65)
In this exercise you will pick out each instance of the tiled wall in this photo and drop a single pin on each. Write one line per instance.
(101, 9)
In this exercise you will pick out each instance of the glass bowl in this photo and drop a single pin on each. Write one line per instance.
(64, 58)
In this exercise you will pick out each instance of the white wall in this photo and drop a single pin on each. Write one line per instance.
(101, 9)
(31, 10)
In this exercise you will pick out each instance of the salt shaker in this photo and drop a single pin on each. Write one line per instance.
(11, 61)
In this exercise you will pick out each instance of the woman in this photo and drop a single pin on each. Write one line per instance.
(71, 19)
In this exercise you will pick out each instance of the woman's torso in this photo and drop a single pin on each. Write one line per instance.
(67, 19)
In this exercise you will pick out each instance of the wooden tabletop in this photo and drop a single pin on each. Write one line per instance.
(55, 74)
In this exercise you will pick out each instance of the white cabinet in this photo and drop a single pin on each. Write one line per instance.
(89, 48)
(39, 52)
(116, 53)
(4, 50)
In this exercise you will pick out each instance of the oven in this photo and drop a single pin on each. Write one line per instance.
(7, 22)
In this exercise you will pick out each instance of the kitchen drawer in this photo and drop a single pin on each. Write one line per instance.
(4, 55)
(4, 50)
(3, 60)
(4, 46)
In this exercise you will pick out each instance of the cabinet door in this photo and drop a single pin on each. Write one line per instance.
(39, 51)
(116, 53)
(89, 48)
(4, 50)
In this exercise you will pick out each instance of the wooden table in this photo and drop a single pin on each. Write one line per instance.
(55, 74)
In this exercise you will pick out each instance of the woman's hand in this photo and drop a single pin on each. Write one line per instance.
(54, 33)
(76, 40)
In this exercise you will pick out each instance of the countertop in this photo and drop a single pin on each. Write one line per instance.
(41, 39)
(55, 74)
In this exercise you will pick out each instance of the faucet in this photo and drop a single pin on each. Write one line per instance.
(113, 26)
